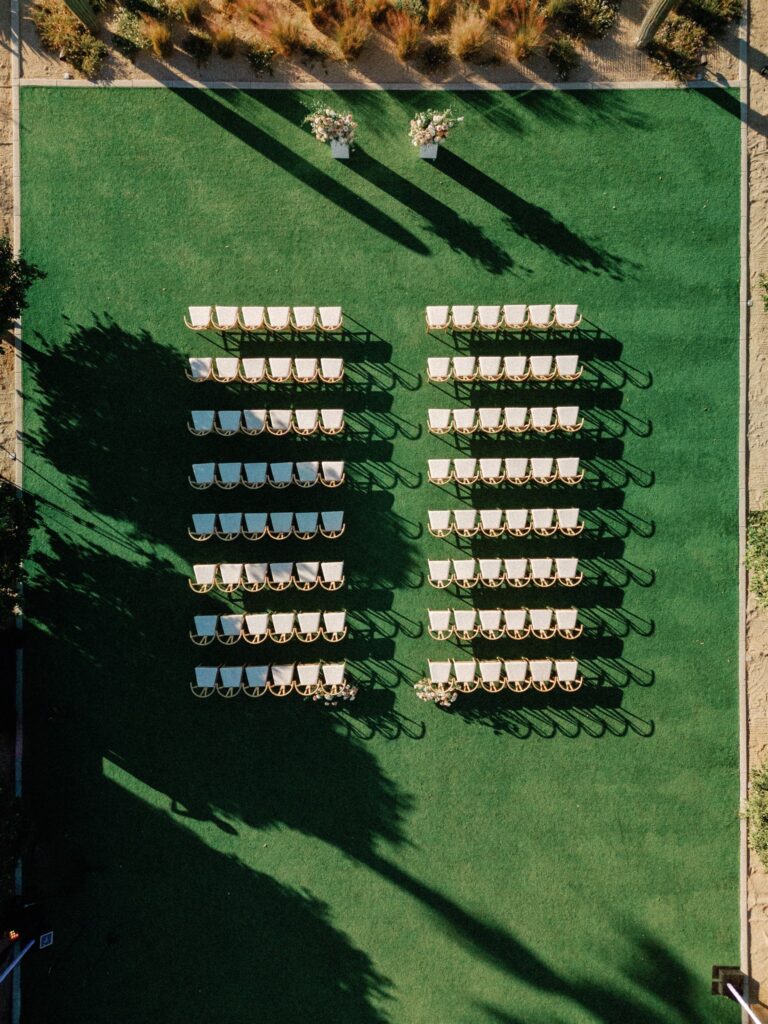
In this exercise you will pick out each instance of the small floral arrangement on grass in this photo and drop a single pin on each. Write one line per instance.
(346, 692)
(442, 698)
(328, 125)
(432, 126)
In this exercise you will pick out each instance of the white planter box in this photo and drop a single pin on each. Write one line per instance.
(429, 152)
(339, 150)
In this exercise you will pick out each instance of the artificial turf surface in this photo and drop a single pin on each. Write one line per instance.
(520, 858)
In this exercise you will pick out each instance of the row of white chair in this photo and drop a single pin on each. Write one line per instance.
(512, 623)
(265, 318)
(278, 422)
(254, 576)
(493, 572)
(327, 680)
(277, 525)
(542, 419)
(277, 626)
(507, 368)
(257, 369)
(228, 475)
(508, 470)
(518, 675)
(508, 317)
(494, 522)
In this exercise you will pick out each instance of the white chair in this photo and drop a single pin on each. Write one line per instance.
(465, 673)
(438, 318)
(306, 421)
(568, 418)
(568, 367)
(255, 576)
(307, 679)
(439, 368)
(256, 677)
(568, 522)
(255, 525)
(251, 318)
(279, 370)
(281, 680)
(464, 368)
(306, 525)
(439, 420)
(333, 678)
(516, 522)
(203, 525)
(465, 522)
(440, 673)
(541, 623)
(491, 421)
(464, 421)
(226, 369)
(304, 318)
(228, 475)
(230, 577)
(568, 626)
(490, 676)
(332, 473)
(202, 422)
(280, 525)
(516, 471)
(280, 474)
(543, 419)
(489, 368)
(278, 318)
(516, 368)
(331, 370)
(490, 522)
(465, 471)
(280, 575)
(439, 522)
(282, 627)
(253, 369)
(489, 318)
(225, 318)
(515, 623)
(307, 575)
(305, 370)
(515, 317)
(279, 422)
(205, 630)
(544, 524)
(542, 572)
(490, 624)
(568, 471)
(254, 421)
(205, 678)
(541, 675)
(541, 367)
(332, 524)
(543, 471)
(465, 623)
(568, 571)
(516, 675)
(199, 318)
(439, 471)
(440, 574)
(331, 575)
(227, 422)
(200, 368)
(229, 525)
(308, 628)
(491, 573)
(540, 317)
(462, 318)
(256, 628)
(202, 475)
(491, 471)
(254, 475)
(567, 675)
(334, 626)
(516, 420)
(331, 318)
(231, 629)
(440, 627)
(307, 474)
(567, 317)
(331, 421)
(516, 572)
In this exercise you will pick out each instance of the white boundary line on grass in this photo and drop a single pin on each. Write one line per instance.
(185, 83)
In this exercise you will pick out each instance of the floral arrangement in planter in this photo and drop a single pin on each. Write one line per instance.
(328, 125)
(431, 127)
(443, 698)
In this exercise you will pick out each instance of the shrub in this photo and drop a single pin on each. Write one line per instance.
(199, 46)
(320, 12)
(469, 33)
(757, 555)
(17, 517)
(586, 19)
(285, 33)
(527, 27)
(352, 33)
(128, 37)
(64, 34)
(406, 31)
(16, 276)
(763, 281)
(713, 15)
(435, 57)
(190, 11)
(563, 55)
(678, 47)
(756, 813)
(415, 8)
(438, 11)
(260, 57)
(497, 11)
(224, 41)
(159, 37)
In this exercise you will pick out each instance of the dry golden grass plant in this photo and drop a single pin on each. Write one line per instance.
(406, 31)
(285, 32)
(469, 32)
(352, 32)
(527, 27)
(159, 36)
(438, 12)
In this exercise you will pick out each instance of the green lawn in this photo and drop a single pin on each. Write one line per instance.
(516, 860)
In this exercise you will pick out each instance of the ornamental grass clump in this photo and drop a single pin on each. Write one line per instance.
(329, 125)
(469, 32)
(406, 32)
(286, 33)
(527, 30)
(352, 33)
(757, 555)
(432, 127)
(159, 37)
(438, 12)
